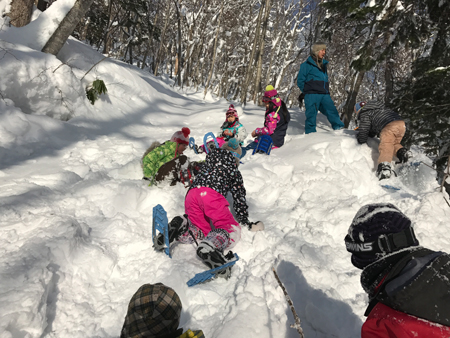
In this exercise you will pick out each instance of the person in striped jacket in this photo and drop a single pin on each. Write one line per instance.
(374, 119)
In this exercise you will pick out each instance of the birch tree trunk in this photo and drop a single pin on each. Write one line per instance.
(252, 55)
(67, 26)
(211, 71)
(180, 63)
(106, 38)
(21, 11)
(257, 83)
(161, 42)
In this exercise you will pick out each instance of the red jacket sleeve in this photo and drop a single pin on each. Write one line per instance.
(385, 322)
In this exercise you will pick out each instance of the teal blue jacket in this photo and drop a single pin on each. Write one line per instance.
(311, 79)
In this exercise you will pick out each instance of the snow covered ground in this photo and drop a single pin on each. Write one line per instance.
(75, 216)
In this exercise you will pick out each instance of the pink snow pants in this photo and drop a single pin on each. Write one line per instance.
(204, 205)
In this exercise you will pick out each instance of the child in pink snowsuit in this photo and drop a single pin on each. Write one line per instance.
(205, 201)
(208, 220)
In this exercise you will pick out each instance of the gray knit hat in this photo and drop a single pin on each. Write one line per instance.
(233, 146)
(317, 47)
(154, 311)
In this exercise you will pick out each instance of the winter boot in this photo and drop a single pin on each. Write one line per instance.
(210, 251)
(384, 170)
(177, 227)
(403, 155)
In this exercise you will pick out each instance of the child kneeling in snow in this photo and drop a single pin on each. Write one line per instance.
(408, 285)
(375, 119)
(205, 202)
(165, 161)
(154, 312)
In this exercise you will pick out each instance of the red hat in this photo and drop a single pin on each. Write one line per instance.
(181, 137)
(271, 95)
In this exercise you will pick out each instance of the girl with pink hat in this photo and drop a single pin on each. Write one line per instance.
(232, 128)
(276, 119)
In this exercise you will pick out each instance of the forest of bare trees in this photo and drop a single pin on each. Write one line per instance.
(396, 51)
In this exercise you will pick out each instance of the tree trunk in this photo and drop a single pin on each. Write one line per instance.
(389, 79)
(180, 63)
(257, 84)
(250, 60)
(351, 98)
(211, 71)
(161, 41)
(67, 26)
(21, 11)
(106, 37)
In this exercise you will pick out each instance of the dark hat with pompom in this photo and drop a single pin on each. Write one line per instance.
(377, 230)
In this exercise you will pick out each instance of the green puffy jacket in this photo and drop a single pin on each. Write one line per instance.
(157, 157)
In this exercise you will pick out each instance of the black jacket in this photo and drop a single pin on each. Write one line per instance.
(282, 125)
(373, 117)
(220, 173)
(414, 281)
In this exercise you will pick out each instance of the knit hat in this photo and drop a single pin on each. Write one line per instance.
(271, 95)
(377, 230)
(181, 137)
(233, 146)
(359, 105)
(317, 47)
(154, 311)
(232, 112)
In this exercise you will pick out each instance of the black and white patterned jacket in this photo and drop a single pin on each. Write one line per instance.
(373, 117)
(220, 173)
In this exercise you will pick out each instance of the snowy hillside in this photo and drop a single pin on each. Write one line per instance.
(75, 216)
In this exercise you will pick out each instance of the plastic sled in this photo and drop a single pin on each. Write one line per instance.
(161, 223)
(205, 139)
(264, 145)
(209, 274)
(192, 144)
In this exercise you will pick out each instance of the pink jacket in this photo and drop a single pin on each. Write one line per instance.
(270, 124)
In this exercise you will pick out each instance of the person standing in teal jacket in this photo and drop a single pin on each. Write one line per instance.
(312, 80)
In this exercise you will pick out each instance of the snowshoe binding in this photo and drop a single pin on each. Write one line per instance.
(384, 170)
(177, 227)
(214, 258)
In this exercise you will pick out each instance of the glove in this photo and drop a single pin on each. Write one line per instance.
(253, 226)
(300, 99)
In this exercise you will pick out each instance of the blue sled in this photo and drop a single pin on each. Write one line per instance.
(264, 144)
(209, 274)
(390, 187)
(205, 139)
(161, 223)
(192, 144)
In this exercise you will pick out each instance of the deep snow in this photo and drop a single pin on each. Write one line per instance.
(75, 216)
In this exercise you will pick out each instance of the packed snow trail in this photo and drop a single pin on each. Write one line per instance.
(76, 237)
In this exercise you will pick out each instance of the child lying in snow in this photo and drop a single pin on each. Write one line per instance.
(166, 161)
(205, 202)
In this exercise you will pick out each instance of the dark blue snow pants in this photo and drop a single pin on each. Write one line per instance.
(324, 103)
